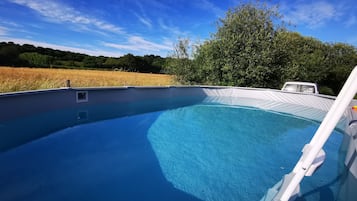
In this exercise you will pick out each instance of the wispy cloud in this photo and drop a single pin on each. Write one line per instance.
(171, 29)
(351, 21)
(157, 5)
(85, 50)
(7, 23)
(210, 6)
(137, 43)
(142, 17)
(313, 15)
(3, 31)
(58, 12)
(145, 20)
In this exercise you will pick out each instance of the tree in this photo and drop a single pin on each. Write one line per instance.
(128, 62)
(154, 63)
(89, 62)
(9, 53)
(99, 61)
(247, 40)
(241, 53)
(306, 57)
(253, 48)
(112, 63)
(340, 60)
(35, 59)
(180, 63)
(208, 59)
(28, 48)
(12, 54)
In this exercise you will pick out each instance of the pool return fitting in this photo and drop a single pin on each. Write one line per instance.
(312, 154)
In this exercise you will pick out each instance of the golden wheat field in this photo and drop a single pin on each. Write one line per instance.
(21, 79)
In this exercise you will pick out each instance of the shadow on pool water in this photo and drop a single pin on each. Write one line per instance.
(107, 160)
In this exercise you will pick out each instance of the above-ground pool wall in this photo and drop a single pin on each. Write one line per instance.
(320, 102)
(14, 105)
(66, 107)
(308, 106)
(26, 116)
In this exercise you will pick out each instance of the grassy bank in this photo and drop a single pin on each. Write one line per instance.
(20, 79)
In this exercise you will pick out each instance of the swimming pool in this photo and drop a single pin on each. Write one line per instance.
(178, 149)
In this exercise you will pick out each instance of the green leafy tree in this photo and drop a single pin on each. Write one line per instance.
(35, 59)
(12, 54)
(208, 59)
(129, 62)
(89, 62)
(340, 60)
(112, 63)
(180, 63)
(306, 57)
(154, 63)
(9, 53)
(246, 38)
(253, 48)
(241, 53)
(99, 61)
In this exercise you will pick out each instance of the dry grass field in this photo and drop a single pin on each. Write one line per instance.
(21, 79)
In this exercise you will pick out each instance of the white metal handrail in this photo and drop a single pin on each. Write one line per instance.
(311, 150)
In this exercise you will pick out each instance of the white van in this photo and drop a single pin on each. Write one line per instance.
(301, 87)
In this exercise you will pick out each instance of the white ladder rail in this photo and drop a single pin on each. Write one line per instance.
(311, 150)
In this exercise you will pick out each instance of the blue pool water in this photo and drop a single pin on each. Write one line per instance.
(199, 152)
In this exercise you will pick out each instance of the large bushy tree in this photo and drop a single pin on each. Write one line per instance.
(308, 59)
(340, 61)
(246, 41)
(253, 48)
(241, 53)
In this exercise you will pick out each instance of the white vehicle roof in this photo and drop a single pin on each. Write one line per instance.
(301, 83)
(301, 87)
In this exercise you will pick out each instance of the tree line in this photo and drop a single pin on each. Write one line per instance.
(253, 48)
(12, 54)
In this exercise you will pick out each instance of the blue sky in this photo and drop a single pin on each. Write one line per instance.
(118, 27)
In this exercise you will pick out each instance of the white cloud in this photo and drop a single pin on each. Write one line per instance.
(93, 52)
(145, 20)
(171, 29)
(352, 20)
(8, 23)
(57, 12)
(207, 5)
(143, 17)
(314, 15)
(168, 42)
(137, 43)
(3, 31)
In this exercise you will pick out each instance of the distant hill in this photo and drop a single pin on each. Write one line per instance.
(12, 54)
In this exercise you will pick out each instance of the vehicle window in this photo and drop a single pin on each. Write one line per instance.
(291, 87)
(307, 89)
